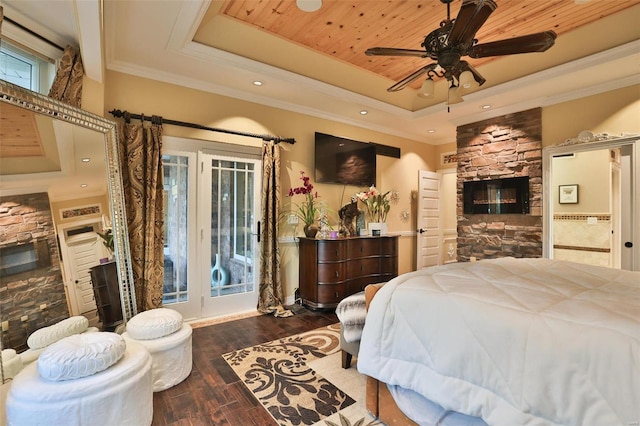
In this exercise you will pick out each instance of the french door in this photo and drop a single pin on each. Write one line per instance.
(228, 221)
(212, 212)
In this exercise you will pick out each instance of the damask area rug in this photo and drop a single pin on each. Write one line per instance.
(299, 380)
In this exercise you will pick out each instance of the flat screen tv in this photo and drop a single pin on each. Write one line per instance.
(344, 161)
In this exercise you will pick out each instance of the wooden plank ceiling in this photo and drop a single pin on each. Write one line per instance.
(19, 133)
(344, 29)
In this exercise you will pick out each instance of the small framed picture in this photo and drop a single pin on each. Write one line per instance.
(568, 194)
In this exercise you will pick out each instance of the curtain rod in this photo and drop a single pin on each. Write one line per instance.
(277, 139)
(33, 33)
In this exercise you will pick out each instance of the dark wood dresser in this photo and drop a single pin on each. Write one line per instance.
(104, 279)
(331, 270)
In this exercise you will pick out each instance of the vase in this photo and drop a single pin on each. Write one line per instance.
(378, 228)
(310, 231)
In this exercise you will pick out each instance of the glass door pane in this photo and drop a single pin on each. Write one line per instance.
(231, 225)
(176, 191)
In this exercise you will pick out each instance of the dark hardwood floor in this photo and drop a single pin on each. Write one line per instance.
(213, 394)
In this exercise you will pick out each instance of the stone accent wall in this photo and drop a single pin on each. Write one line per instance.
(501, 147)
(24, 219)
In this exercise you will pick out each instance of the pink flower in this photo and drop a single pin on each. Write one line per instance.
(307, 210)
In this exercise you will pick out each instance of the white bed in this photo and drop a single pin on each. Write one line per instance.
(511, 341)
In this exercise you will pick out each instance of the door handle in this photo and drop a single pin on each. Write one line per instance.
(422, 230)
(628, 244)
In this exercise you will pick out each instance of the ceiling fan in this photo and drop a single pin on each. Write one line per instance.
(455, 39)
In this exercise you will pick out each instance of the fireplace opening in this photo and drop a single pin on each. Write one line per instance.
(496, 196)
(18, 258)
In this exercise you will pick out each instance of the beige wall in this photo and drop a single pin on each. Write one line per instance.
(614, 112)
(594, 187)
(138, 95)
(93, 96)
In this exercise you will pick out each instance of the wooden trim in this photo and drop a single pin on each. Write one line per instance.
(579, 248)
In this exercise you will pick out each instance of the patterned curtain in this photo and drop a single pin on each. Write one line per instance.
(67, 86)
(142, 181)
(271, 291)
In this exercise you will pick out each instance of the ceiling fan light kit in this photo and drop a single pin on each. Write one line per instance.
(454, 39)
(428, 88)
(453, 96)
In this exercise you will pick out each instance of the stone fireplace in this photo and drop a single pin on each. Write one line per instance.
(503, 147)
(32, 293)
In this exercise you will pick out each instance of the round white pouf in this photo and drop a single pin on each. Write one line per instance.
(120, 395)
(154, 323)
(171, 357)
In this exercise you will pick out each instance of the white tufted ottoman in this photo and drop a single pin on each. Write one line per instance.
(103, 393)
(168, 340)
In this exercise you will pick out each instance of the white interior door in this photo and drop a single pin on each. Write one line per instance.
(429, 232)
(228, 221)
(84, 252)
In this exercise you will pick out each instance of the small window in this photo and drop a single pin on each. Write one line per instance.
(25, 69)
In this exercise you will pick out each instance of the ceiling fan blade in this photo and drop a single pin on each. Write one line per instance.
(411, 78)
(391, 51)
(472, 15)
(538, 42)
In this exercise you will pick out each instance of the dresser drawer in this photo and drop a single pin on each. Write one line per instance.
(331, 272)
(331, 293)
(389, 265)
(389, 246)
(363, 247)
(331, 251)
(367, 266)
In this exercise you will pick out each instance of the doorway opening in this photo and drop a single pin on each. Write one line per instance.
(591, 203)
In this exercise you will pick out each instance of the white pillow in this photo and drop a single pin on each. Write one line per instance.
(47, 335)
(80, 355)
(153, 324)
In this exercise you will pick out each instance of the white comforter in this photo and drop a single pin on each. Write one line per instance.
(514, 341)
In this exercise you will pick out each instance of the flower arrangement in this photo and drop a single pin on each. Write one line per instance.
(308, 209)
(107, 239)
(377, 204)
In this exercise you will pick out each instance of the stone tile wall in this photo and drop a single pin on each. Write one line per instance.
(23, 219)
(501, 147)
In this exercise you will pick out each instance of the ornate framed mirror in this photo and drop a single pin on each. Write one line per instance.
(77, 128)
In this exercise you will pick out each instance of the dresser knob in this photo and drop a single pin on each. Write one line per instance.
(337, 274)
(337, 295)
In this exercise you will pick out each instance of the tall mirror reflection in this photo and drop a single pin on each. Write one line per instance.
(60, 188)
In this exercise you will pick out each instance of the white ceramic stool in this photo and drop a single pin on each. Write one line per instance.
(168, 341)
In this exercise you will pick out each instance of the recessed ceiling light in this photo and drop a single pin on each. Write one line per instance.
(83, 185)
(309, 5)
(486, 106)
(431, 131)
(86, 160)
(258, 83)
(364, 112)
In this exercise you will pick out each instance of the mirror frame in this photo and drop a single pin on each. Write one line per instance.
(40, 104)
